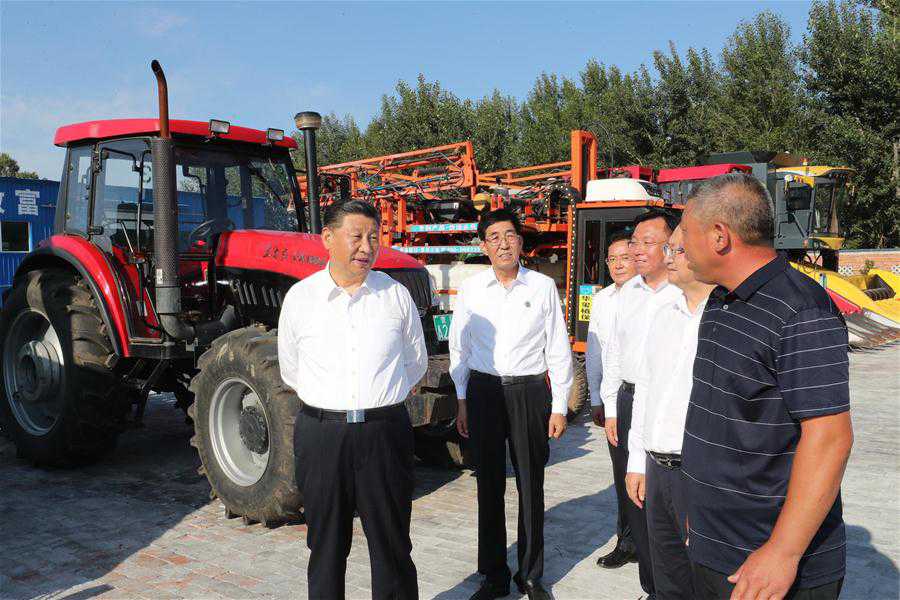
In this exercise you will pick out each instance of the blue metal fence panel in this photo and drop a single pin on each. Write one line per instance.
(31, 201)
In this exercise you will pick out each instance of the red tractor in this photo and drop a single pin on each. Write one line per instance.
(174, 245)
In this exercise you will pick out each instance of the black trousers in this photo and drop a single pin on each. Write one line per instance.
(712, 585)
(633, 515)
(363, 467)
(518, 415)
(666, 511)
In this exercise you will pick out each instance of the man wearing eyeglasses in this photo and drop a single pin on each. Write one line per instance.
(661, 396)
(620, 263)
(632, 338)
(507, 335)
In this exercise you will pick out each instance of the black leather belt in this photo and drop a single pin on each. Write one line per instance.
(628, 387)
(354, 416)
(509, 379)
(668, 461)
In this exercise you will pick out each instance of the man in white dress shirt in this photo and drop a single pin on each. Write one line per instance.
(507, 332)
(620, 263)
(350, 344)
(630, 342)
(662, 393)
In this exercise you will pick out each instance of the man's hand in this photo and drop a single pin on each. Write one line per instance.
(634, 484)
(612, 433)
(597, 415)
(767, 573)
(462, 418)
(557, 425)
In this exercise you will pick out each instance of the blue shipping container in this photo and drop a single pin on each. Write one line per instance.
(27, 209)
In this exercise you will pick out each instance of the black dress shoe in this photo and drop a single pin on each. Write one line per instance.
(490, 590)
(534, 589)
(619, 557)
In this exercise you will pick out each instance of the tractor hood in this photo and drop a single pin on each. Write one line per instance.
(296, 255)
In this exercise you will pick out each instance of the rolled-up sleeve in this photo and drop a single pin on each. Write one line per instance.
(813, 369)
(459, 345)
(558, 353)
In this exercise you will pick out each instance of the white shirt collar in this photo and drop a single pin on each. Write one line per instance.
(638, 282)
(681, 305)
(331, 290)
(492, 279)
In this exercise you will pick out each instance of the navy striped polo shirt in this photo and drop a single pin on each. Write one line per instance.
(771, 353)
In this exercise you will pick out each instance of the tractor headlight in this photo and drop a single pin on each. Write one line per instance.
(274, 135)
(217, 127)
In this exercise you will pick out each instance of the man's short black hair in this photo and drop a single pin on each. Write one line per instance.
(335, 213)
(671, 218)
(500, 215)
(620, 235)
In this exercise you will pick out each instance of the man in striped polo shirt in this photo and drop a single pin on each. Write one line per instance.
(768, 429)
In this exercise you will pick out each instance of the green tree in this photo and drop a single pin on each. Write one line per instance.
(552, 110)
(851, 68)
(418, 117)
(619, 109)
(689, 100)
(762, 86)
(9, 167)
(496, 132)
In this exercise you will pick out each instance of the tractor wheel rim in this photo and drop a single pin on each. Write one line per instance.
(241, 464)
(33, 372)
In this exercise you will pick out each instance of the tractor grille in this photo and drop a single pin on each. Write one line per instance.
(418, 284)
(250, 293)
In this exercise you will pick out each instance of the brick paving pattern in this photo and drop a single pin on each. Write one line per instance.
(140, 524)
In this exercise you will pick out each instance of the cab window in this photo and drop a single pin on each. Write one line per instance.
(123, 202)
(78, 189)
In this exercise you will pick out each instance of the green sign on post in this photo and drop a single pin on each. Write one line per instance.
(442, 326)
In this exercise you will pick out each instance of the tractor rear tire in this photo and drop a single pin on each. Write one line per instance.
(244, 418)
(59, 397)
(578, 395)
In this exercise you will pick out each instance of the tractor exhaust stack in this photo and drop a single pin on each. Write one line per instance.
(165, 238)
(308, 122)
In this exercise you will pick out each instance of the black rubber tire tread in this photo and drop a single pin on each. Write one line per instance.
(93, 413)
(251, 354)
(578, 395)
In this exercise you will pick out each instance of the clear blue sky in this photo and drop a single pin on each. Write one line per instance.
(258, 63)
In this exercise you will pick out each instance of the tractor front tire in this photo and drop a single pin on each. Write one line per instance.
(244, 417)
(59, 398)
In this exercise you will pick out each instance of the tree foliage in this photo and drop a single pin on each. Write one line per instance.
(832, 97)
(9, 167)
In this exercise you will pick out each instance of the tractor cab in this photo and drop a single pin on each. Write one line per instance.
(807, 213)
(225, 179)
(807, 201)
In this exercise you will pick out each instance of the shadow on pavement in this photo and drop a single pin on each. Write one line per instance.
(870, 574)
(573, 530)
(63, 528)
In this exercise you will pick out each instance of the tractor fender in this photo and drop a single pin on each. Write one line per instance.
(85, 258)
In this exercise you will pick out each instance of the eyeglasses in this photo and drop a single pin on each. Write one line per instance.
(623, 259)
(672, 251)
(643, 243)
(510, 237)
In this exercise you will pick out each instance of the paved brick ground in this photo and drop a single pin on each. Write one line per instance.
(140, 525)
